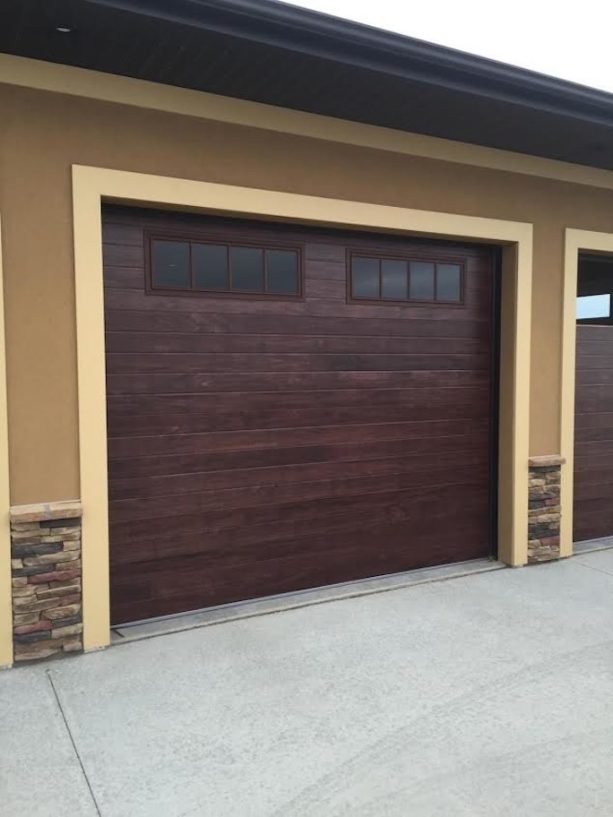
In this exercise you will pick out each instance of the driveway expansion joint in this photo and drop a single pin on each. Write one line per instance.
(72, 741)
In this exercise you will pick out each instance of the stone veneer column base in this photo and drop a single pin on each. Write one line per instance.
(46, 579)
(544, 509)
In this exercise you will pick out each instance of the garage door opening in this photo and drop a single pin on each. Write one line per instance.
(593, 470)
(291, 407)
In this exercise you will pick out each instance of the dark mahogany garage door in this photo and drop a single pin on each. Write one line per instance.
(593, 491)
(290, 407)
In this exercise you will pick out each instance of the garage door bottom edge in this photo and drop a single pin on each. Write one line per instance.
(165, 625)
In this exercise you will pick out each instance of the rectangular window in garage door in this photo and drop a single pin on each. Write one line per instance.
(400, 280)
(182, 265)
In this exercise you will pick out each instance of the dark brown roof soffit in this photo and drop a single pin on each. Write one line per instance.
(285, 26)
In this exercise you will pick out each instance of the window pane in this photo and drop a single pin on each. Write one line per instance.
(394, 280)
(421, 281)
(282, 271)
(365, 277)
(593, 306)
(247, 265)
(448, 286)
(170, 264)
(210, 262)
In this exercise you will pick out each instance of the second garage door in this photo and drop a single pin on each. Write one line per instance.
(289, 408)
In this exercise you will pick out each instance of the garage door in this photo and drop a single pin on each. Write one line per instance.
(290, 408)
(593, 493)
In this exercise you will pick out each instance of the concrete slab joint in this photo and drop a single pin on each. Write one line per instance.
(46, 579)
(544, 509)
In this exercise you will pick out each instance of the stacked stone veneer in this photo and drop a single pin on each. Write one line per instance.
(46, 579)
(544, 509)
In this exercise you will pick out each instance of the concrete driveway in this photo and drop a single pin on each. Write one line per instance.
(484, 695)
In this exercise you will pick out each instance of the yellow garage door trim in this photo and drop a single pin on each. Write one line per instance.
(6, 615)
(92, 185)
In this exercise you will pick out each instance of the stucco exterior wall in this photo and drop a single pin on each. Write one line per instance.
(43, 134)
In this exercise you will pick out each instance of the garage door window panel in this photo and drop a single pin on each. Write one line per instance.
(394, 280)
(422, 281)
(210, 266)
(403, 280)
(449, 283)
(246, 269)
(170, 264)
(236, 269)
(282, 272)
(365, 278)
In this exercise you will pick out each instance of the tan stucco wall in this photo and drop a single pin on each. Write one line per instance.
(43, 134)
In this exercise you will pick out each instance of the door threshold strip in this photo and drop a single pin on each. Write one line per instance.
(150, 628)
(591, 545)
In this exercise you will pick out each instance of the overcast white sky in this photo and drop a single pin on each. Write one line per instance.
(571, 39)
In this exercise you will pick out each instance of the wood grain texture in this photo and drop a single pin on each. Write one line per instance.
(261, 446)
(593, 469)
